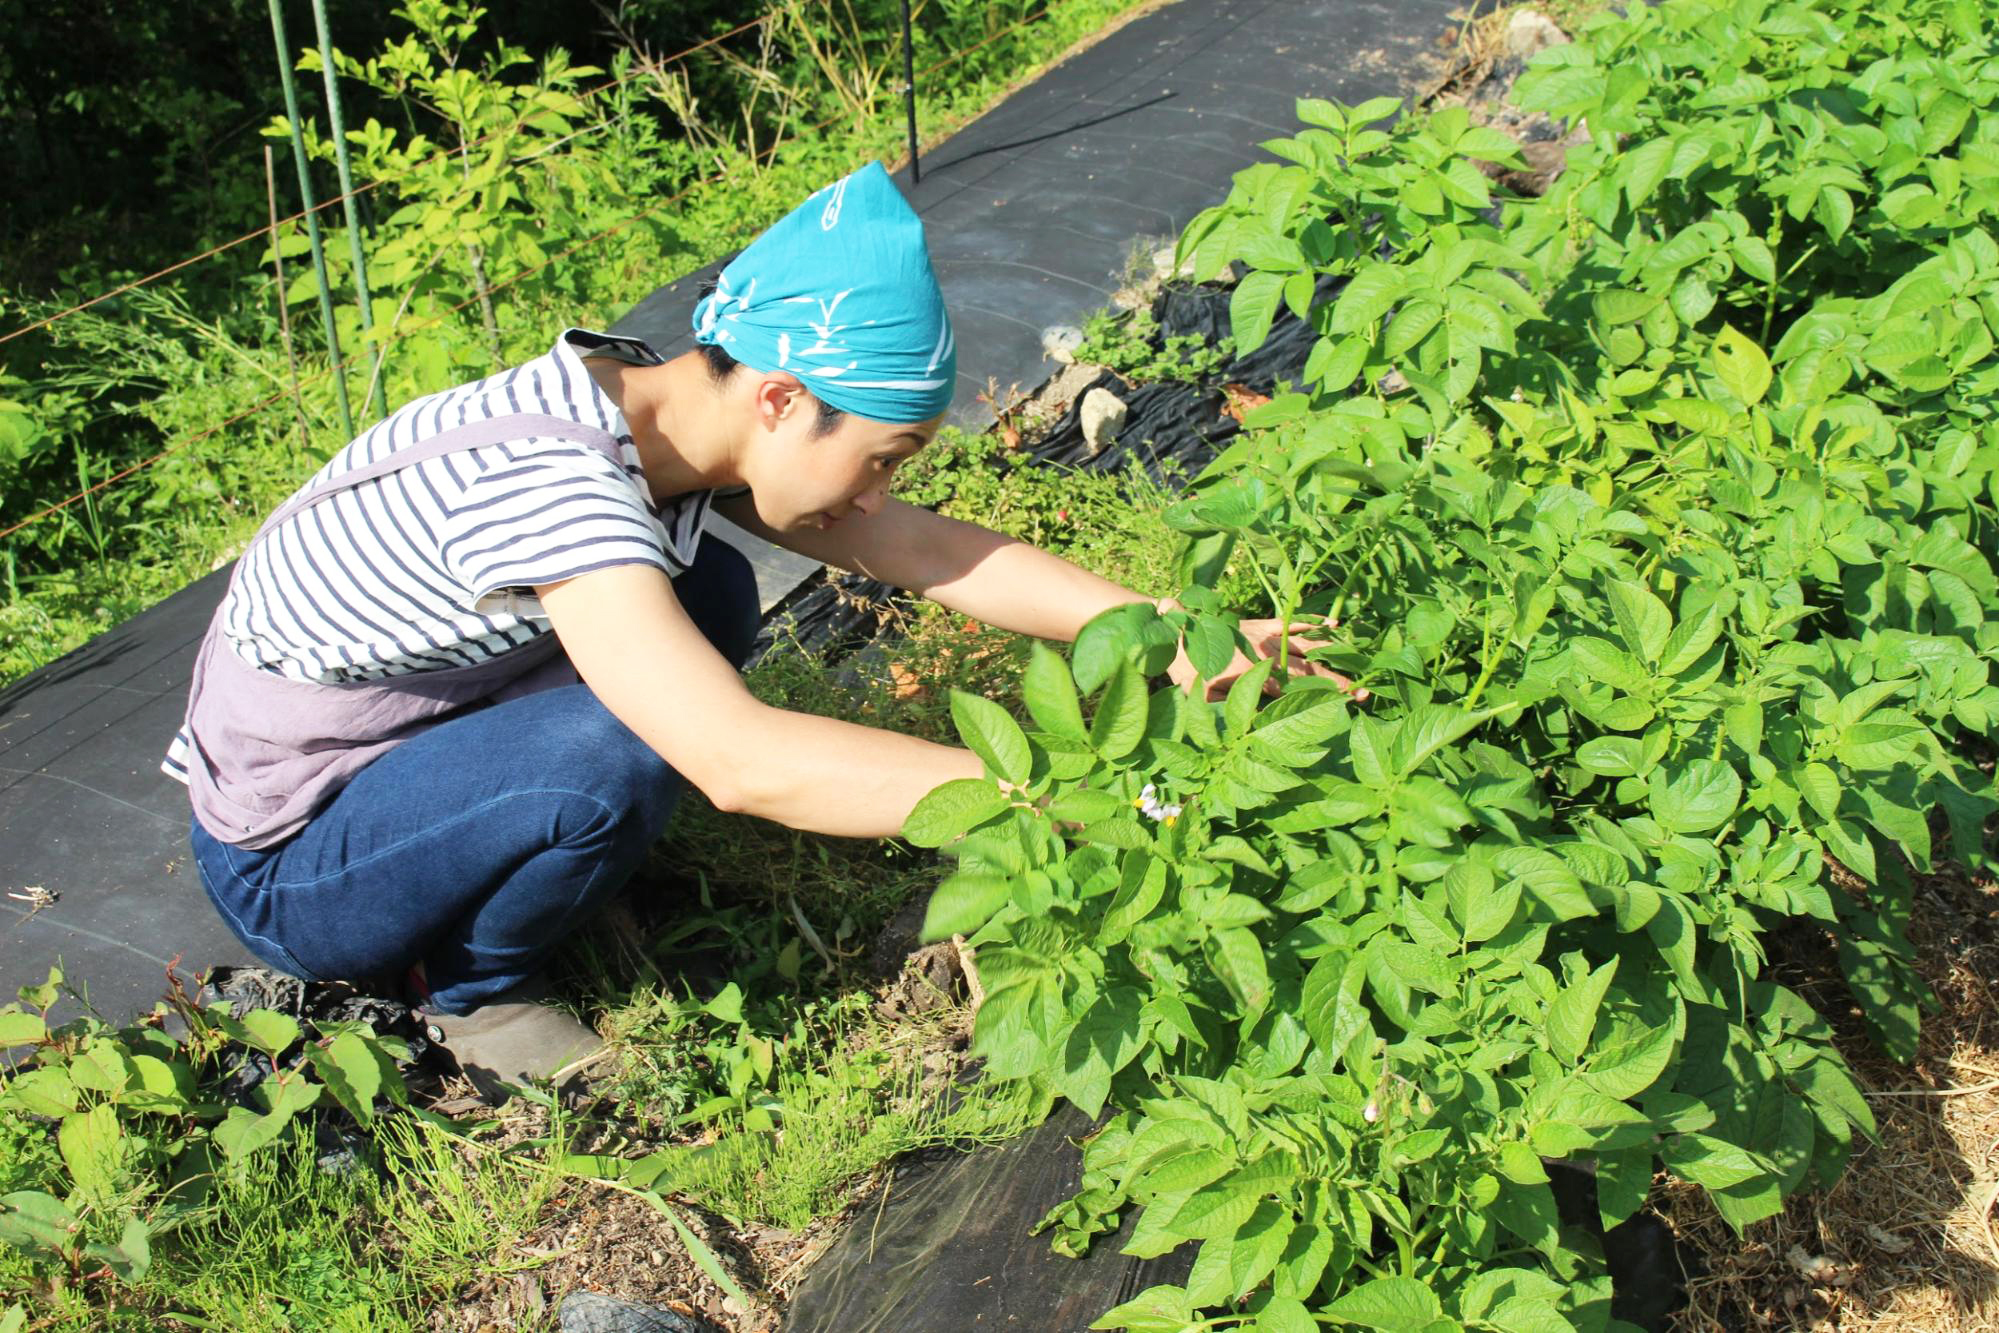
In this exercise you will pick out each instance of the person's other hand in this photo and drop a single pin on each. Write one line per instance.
(1266, 638)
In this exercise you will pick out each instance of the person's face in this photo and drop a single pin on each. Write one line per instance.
(804, 482)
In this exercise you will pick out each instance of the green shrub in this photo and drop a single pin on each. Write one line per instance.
(1665, 623)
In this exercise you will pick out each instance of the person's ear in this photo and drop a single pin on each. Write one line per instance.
(777, 396)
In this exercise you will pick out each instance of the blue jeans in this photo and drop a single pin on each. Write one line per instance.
(477, 846)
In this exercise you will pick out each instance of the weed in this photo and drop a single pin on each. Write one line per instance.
(864, 1103)
(1130, 344)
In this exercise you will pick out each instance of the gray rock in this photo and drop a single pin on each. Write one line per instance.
(1103, 414)
(1529, 33)
(1060, 341)
(1162, 264)
(594, 1312)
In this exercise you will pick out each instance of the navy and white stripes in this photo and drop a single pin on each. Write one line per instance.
(433, 565)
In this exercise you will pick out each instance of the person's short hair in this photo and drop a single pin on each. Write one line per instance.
(721, 365)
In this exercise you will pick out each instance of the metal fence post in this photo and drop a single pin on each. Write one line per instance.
(378, 401)
(909, 94)
(311, 216)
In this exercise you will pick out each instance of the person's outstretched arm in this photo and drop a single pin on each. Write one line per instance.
(636, 648)
(996, 579)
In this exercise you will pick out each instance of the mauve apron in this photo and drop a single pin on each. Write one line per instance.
(266, 752)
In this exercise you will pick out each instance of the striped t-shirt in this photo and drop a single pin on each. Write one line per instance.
(434, 565)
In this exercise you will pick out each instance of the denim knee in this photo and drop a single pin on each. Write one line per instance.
(605, 760)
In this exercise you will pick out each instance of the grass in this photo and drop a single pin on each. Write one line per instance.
(281, 1244)
(842, 1117)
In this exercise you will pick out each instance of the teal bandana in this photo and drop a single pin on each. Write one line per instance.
(840, 294)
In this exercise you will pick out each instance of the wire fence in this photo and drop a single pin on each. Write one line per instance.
(646, 69)
(761, 157)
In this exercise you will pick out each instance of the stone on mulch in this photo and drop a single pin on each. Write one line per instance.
(594, 1312)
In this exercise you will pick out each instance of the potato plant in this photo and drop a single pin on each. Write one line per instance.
(1668, 576)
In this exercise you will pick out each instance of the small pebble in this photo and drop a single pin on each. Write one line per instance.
(1060, 342)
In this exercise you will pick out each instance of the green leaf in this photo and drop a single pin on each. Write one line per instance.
(1417, 967)
(1529, 1212)
(1741, 366)
(105, 1066)
(1834, 211)
(1548, 878)
(93, 1148)
(130, 1257)
(1572, 1016)
(1367, 296)
(1604, 661)
(46, 1091)
(963, 903)
(18, 1028)
(32, 1220)
(1521, 1164)
(1700, 798)
(1623, 1183)
(1257, 1247)
(1238, 960)
(44, 995)
(1239, 709)
(1482, 905)
(1108, 639)
(1392, 1304)
(992, 735)
(1642, 619)
(1105, 1039)
(245, 1132)
(1160, 1309)
(351, 1070)
(1426, 730)
(1369, 742)
(1084, 805)
(269, 1031)
(1050, 694)
(1211, 646)
(1712, 1163)
(1332, 1009)
(952, 809)
(1643, 168)
(1617, 306)
(1524, 1314)
(1218, 1209)
(1690, 641)
(1119, 724)
(1628, 1067)
(1252, 307)
(1285, 1314)
(1612, 756)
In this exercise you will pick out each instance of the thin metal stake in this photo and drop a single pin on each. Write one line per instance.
(311, 217)
(909, 95)
(378, 403)
(284, 306)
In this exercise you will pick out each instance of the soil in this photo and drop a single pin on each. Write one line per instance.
(596, 1240)
(1905, 1241)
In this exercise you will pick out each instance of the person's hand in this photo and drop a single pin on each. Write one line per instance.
(1267, 638)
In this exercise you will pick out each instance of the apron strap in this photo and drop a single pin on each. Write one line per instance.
(493, 430)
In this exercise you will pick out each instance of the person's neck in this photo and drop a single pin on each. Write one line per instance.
(670, 409)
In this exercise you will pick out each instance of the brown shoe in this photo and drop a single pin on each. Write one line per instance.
(513, 1039)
